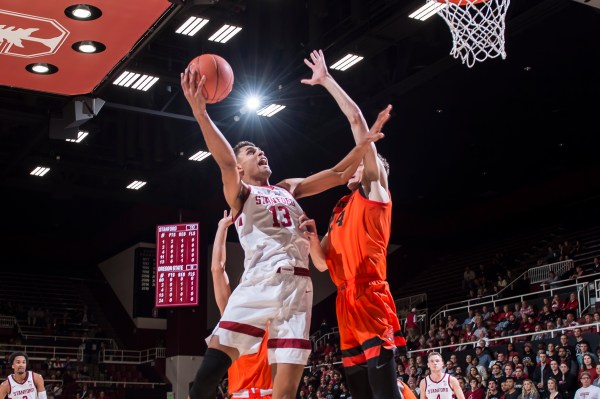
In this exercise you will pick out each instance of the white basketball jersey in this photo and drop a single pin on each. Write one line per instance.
(268, 231)
(440, 389)
(26, 390)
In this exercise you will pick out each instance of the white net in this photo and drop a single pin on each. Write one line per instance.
(477, 28)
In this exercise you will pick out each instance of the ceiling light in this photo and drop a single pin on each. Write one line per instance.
(427, 10)
(346, 62)
(88, 47)
(41, 68)
(80, 136)
(135, 80)
(192, 26)
(199, 156)
(253, 103)
(270, 110)
(224, 34)
(83, 12)
(39, 171)
(136, 185)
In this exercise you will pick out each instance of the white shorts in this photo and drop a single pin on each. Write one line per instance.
(284, 302)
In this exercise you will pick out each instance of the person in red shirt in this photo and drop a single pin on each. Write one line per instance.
(475, 391)
(572, 304)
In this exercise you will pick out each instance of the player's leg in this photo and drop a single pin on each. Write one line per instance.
(217, 360)
(286, 378)
(382, 376)
(357, 378)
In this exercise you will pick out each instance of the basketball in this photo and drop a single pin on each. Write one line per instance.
(219, 76)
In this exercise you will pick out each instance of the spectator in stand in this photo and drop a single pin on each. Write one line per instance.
(587, 390)
(569, 349)
(541, 372)
(578, 341)
(539, 333)
(547, 314)
(596, 382)
(527, 309)
(596, 265)
(552, 392)
(551, 352)
(570, 321)
(499, 359)
(511, 392)
(587, 319)
(496, 374)
(579, 272)
(509, 369)
(411, 320)
(483, 357)
(511, 327)
(519, 376)
(475, 391)
(480, 329)
(551, 255)
(492, 390)
(555, 370)
(550, 282)
(468, 282)
(558, 305)
(529, 391)
(588, 364)
(567, 382)
(572, 304)
(528, 357)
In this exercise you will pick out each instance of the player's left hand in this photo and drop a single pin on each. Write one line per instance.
(318, 66)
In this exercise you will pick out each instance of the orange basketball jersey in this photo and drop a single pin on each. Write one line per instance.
(251, 371)
(359, 231)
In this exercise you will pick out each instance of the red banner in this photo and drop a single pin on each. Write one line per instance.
(177, 247)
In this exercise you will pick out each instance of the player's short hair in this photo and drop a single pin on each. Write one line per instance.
(238, 146)
(386, 164)
(432, 354)
(14, 355)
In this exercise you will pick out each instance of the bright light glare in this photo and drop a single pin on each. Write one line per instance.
(253, 103)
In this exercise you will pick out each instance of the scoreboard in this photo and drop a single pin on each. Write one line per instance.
(177, 247)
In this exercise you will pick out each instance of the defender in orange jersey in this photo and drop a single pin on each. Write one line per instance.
(354, 251)
(250, 375)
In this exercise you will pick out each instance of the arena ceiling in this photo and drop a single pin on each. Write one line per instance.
(501, 136)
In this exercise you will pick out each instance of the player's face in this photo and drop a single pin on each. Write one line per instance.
(19, 365)
(435, 363)
(355, 180)
(253, 163)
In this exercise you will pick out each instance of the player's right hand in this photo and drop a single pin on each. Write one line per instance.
(227, 219)
(308, 225)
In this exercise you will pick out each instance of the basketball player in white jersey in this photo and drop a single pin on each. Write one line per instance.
(275, 286)
(438, 384)
(22, 384)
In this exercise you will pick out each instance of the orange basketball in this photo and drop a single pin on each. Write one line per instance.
(219, 76)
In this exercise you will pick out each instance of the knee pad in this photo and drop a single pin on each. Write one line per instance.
(213, 368)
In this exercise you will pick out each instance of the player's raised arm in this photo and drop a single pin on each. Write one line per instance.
(317, 254)
(217, 266)
(340, 173)
(217, 144)
(374, 170)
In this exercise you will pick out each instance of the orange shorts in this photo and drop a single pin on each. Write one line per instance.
(367, 321)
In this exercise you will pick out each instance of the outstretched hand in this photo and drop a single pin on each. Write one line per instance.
(193, 91)
(375, 133)
(309, 227)
(318, 66)
(227, 220)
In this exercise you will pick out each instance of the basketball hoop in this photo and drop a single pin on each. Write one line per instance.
(477, 28)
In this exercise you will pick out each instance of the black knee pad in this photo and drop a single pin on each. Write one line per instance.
(213, 368)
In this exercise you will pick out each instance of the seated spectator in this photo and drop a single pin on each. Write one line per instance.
(552, 392)
(527, 309)
(596, 265)
(579, 272)
(570, 321)
(492, 390)
(550, 281)
(475, 391)
(567, 384)
(547, 314)
(588, 364)
(529, 391)
(558, 305)
(511, 327)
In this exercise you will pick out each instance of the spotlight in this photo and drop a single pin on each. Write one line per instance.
(41, 68)
(88, 47)
(83, 12)
(253, 103)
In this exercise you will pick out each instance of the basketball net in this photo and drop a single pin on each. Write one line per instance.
(477, 28)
